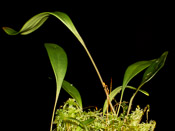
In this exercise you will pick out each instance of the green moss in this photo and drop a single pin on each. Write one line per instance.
(72, 118)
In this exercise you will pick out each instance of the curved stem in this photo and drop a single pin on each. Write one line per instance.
(132, 98)
(53, 113)
(119, 104)
(101, 80)
(130, 102)
(96, 69)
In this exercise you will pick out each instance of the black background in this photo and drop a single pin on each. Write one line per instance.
(116, 34)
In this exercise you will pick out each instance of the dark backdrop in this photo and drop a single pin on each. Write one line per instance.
(116, 34)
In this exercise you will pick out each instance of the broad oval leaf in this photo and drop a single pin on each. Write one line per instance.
(154, 68)
(134, 69)
(130, 72)
(150, 72)
(58, 60)
(72, 91)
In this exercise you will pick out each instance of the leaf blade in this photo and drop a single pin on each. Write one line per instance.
(30, 26)
(142, 91)
(34, 23)
(10, 31)
(134, 69)
(58, 59)
(65, 19)
(130, 72)
(38, 20)
(152, 70)
(72, 91)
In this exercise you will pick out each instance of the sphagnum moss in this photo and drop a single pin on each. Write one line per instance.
(68, 117)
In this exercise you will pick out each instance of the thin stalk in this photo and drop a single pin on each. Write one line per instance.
(130, 102)
(101, 80)
(53, 113)
(119, 105)
(75, 32)
(96, 69)
(132, 98)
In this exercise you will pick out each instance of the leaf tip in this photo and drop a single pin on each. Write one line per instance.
(9, 31)
(165, 53)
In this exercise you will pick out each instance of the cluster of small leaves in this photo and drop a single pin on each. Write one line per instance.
(71, 117)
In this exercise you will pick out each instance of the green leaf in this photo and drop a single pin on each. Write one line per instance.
(150, 72)
(116, 91)
(31, 25)
(58, 60)
(10, 31)
(133, 70)
(154, 68)
(69, 24)
(34, 23)
(142, 91)
(130, 72)
(72, 91)
(38, 20)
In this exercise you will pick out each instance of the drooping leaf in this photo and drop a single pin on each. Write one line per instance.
(68, 22)
(10, 31)
(116, 91)
(72, 91)
(37, 21)
(31, 25)
(154, 68)
(58, 60)
(34, 23)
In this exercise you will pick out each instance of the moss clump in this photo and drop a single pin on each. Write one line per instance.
(72, 118)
